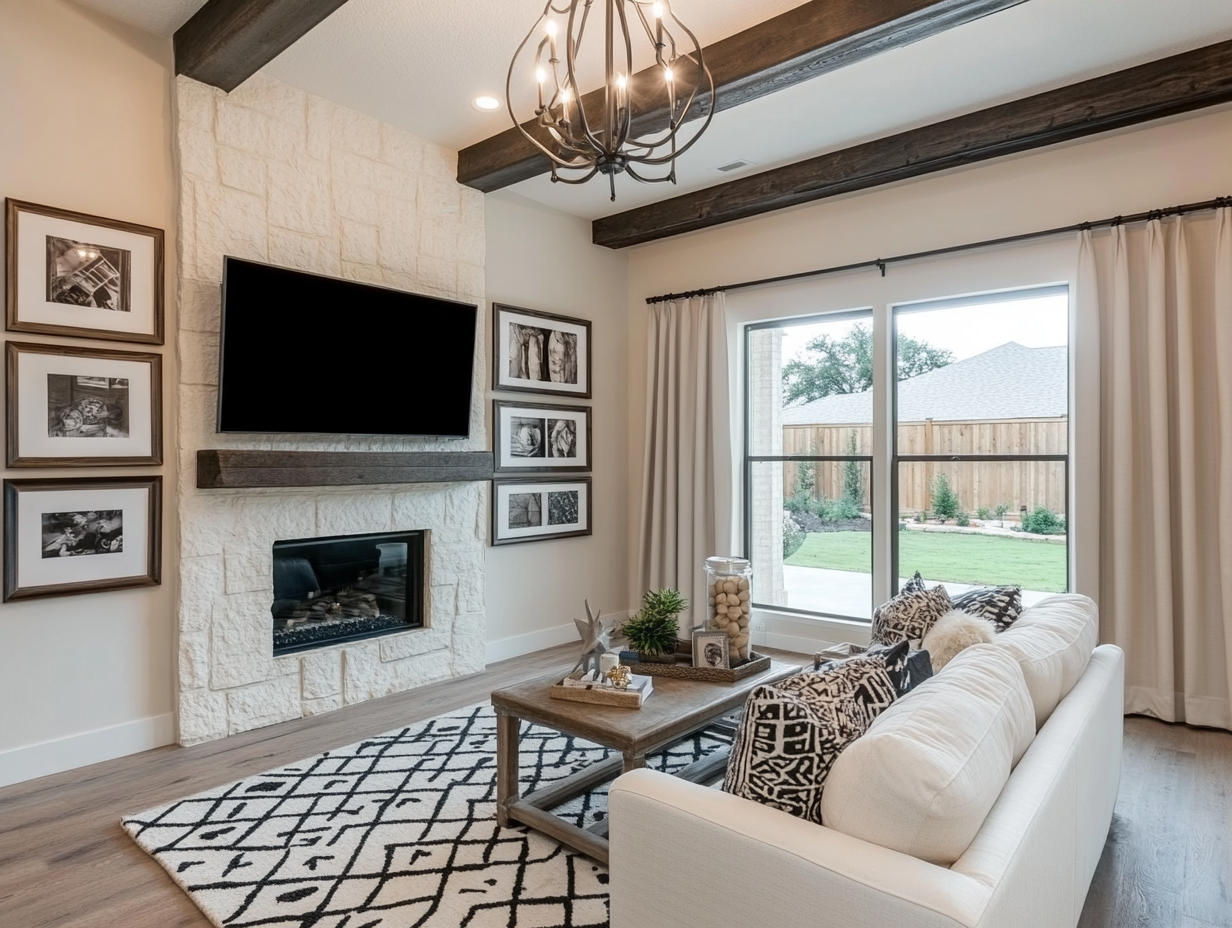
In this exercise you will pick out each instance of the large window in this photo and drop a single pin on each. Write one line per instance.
(974, 488)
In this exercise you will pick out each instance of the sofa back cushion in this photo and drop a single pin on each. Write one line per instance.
(923, 777)
(1052, 642)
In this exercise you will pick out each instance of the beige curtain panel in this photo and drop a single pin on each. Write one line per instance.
(686, 481)
(1164, 296)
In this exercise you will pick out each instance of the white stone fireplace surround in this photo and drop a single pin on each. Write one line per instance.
(272, 174)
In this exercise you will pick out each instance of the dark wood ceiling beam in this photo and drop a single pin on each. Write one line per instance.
(1179, 84)
(802, 43)
(228, 41)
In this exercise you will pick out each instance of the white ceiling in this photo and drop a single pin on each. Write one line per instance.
(418, 63)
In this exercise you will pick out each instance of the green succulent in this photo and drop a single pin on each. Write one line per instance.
(654, 629)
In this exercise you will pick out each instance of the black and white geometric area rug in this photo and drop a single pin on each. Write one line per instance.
(396, 831)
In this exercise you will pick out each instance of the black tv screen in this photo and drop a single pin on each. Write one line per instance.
(305, 353)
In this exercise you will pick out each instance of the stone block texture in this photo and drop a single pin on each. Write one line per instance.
(271, 173)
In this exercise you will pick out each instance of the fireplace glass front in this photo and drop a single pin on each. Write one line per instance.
(345, 588)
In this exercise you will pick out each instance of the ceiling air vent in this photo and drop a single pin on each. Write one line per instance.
(735, 165)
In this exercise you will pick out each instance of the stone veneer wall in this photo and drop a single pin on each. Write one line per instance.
(272, 174)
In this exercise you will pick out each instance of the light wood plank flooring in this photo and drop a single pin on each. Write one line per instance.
(65, 862)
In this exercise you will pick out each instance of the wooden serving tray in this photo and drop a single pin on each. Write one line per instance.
(683, 669)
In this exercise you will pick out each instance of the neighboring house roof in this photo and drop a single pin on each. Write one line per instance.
(1009, 382)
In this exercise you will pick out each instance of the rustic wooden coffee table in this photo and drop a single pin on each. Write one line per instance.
(675, 709)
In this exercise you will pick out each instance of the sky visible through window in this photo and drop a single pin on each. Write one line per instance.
(1042, 322)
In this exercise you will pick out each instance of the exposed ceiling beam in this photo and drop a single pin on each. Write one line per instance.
(811, 39)
(228, 41)
(1179, 84)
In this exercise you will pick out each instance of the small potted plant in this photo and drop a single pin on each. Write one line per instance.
(653, 631)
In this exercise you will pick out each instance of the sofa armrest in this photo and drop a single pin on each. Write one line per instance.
(685, 856)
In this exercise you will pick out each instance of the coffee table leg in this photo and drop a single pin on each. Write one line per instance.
(507, 789)
(634, 760)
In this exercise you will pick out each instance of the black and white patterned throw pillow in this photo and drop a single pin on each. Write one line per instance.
(914, 585)
(792, 731)
(917, 667)
(1001, 605)
(909, 616)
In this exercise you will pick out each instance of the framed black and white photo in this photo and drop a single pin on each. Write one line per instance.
(535, 437)
(710, 649)
(539, 352)
(534, 510)
(67, 536)
(82, 407)
(85, 276)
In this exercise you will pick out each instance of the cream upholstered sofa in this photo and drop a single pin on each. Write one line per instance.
(688, 856)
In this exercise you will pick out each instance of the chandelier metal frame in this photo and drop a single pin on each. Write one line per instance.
(599, 142)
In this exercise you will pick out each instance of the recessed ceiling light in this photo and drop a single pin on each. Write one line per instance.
(486, 104)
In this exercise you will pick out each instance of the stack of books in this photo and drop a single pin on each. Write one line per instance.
(594, 688)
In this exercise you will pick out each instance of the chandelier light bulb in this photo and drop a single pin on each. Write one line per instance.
(566, 95)
(667, 73)
(551, 28)
(541, 75)
(621, 81)
(658, 10)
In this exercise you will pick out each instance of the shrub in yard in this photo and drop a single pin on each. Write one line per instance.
(945, 500)
(1043, 521)
(962, 520)
(793, 536)
(1001, 509)
(983, 513)
(853, 481)
(833, 510)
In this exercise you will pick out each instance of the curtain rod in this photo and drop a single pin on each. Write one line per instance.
(882, 263)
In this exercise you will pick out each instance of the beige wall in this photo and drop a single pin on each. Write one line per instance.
(1174, 161)
(85, 125)
(541, 259)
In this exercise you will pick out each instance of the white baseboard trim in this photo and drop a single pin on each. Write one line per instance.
(90, 747)
(516, 645)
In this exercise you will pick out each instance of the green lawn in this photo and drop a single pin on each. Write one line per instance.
(954, 558)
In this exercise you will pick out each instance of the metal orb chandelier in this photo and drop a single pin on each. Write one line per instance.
(600, 132)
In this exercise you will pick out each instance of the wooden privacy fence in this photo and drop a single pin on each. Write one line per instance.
(1014, 483)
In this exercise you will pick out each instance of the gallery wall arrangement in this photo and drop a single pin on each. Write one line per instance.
(66, 405)
(545, 353)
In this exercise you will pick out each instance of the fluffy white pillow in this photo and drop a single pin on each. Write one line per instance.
(954, 632)
(922, 778)
(1052, 642)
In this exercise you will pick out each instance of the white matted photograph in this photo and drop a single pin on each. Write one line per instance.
(82, 407)
(710, 649)
(534, 510)
(74, 274)
(533, 437)
(538, 352)
(68, 536)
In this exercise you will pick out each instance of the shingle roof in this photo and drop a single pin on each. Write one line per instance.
(1009, 382)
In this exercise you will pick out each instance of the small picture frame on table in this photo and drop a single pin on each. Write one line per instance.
(69, 536)
(85, 276)
(710, 649)
(536, 352)
(536, 510)
(82, 407)
(534, 437)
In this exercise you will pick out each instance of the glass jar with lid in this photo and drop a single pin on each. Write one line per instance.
(729, 599)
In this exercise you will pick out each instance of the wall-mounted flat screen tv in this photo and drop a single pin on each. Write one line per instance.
(305, 353)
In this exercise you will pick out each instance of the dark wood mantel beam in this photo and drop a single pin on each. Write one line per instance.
(1178, 84)
(813, 38)
(228, 41)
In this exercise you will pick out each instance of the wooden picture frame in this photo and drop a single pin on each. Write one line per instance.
(82, 407)
(84, 276)
(541, 438)
(63, 537)
(538, 352)
(538, 509)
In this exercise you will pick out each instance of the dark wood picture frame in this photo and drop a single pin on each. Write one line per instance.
(12, 408)
(14, 490)
(13, 322)
(496, 538)
(500, 437)
(500, 381)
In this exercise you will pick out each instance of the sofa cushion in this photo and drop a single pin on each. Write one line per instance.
(792, 731)
(1052, 643)
(924, 776)
(909, 615)
(1002, 605)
